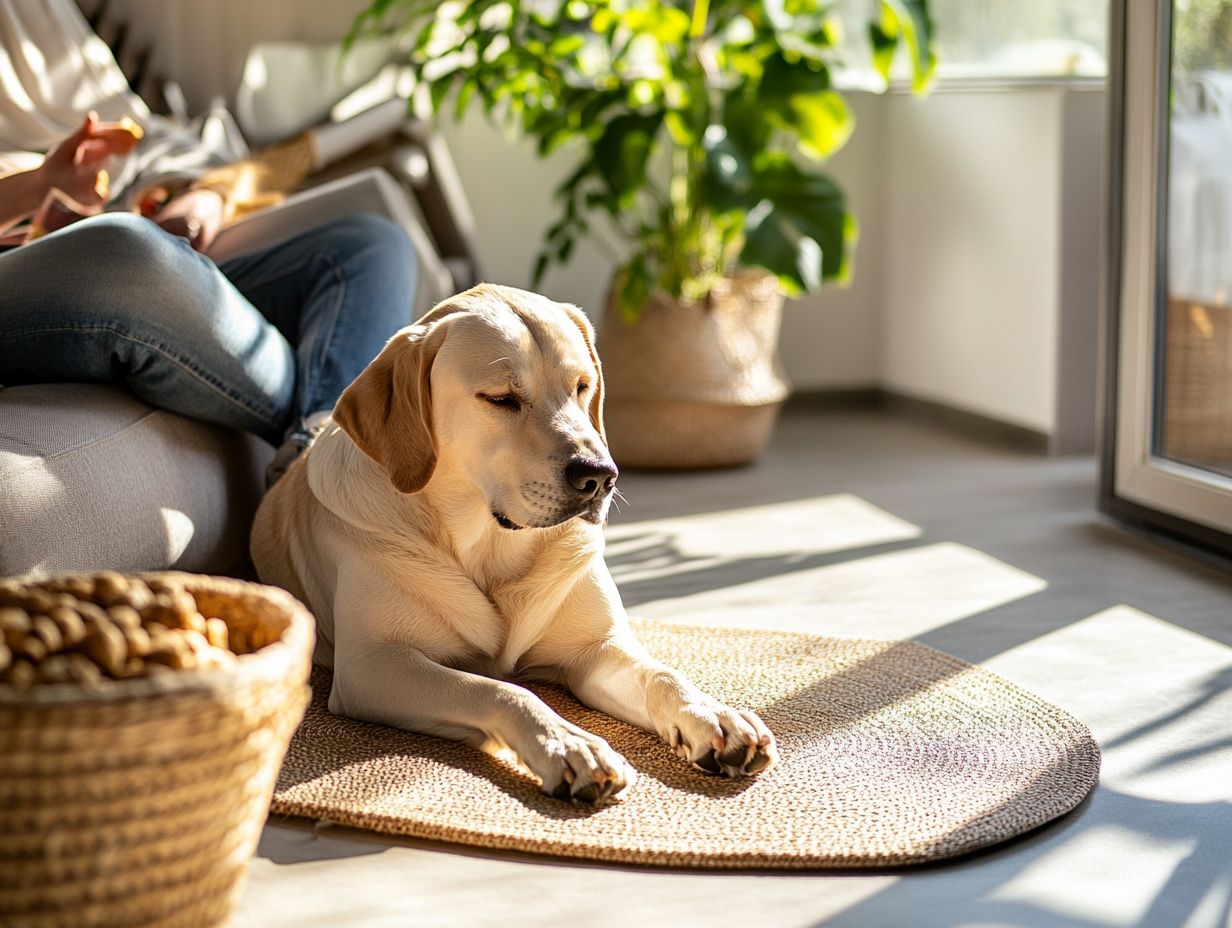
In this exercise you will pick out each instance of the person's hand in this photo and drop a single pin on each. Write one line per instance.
(74, 165)
(195, 215)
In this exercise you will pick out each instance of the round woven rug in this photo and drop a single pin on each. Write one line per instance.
(892, 753)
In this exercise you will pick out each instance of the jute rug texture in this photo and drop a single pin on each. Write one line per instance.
(892, 753)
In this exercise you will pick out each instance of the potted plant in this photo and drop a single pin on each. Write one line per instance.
(700, 128)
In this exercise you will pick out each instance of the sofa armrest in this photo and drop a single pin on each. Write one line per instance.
(369, 191)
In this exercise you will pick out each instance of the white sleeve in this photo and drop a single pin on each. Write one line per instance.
(53, 69)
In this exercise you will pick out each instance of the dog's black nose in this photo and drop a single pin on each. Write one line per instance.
(591, 478)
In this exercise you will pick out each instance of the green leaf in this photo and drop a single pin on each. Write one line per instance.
(800, 229)
(541, 267)
(796, 97)
(906, 21)
(783, 79)
(748, 125)
(642, 93)
(816, 206)
(679, 129)
(603, 20)
(438, 90)
(884, 44)
(565, 45)
(368, 21)
(725, 183)
(466, 91)
(822, 122)
(667, 24)
(622, 153)
(772, 243)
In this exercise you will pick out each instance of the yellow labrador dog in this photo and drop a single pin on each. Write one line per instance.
(446, 529)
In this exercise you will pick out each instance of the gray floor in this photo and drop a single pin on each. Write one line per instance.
(865, 525)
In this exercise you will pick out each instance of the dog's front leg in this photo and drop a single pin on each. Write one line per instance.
(394, 684)
(619, 677)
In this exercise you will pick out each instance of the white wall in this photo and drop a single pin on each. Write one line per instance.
(991, 203)
(971, 257)
(1081, 221)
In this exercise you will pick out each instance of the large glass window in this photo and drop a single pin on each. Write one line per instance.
(1193, 424)
(1007, 39)
(1021, 38)
(1168, 416)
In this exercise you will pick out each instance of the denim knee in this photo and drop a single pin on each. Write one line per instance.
(124, 241)
(136, 270)
(372, 230)
(379, 250)
(378, 244)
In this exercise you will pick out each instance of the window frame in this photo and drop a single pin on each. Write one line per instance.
(1137, 487)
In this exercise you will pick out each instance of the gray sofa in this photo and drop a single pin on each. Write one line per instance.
(92, 478)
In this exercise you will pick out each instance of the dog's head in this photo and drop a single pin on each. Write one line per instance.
(500, 389)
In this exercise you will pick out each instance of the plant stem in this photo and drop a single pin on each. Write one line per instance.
(701, 9)
(679, 219)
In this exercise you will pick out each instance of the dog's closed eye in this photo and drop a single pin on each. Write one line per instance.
(502, 400)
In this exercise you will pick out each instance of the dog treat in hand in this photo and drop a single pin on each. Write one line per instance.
(86, 630)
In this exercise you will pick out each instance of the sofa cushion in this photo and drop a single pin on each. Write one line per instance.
(91, 478)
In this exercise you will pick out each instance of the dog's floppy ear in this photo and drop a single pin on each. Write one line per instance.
(387, 409)
(596, 396)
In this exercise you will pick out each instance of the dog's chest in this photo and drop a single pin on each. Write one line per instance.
(494, 564)
(499, 576)
(499, 595)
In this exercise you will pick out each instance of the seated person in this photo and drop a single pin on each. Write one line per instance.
(265, 342)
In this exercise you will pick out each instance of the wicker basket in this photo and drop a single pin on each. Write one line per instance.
(699, 385)
(1197, 424)
(141, 801)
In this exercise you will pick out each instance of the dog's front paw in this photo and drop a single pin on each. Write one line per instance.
(720, 740)
(577, 766)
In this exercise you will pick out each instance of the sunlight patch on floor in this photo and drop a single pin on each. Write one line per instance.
(823, 525)
(900, 594)
(1157, 697)
(1082, 880)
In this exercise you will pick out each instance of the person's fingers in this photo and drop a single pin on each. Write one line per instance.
(184, 226)
(90, 151)
(103, 144)
(74, 142)
(119, 138)
(87, 127)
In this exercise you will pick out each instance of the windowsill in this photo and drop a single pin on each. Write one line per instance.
(955, 85)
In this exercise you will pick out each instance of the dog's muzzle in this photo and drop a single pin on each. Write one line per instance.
(584, 493)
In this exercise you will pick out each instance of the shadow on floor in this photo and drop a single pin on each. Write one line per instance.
(981, 890)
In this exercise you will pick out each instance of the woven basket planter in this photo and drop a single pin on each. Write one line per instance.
(1198, 383)
(697, 385)
(140, 802)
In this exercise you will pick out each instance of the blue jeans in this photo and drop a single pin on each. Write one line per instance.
(257, 344)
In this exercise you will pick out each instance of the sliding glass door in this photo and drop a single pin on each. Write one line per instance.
(1167, 462)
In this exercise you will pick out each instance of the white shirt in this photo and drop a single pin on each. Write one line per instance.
(54, 69)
